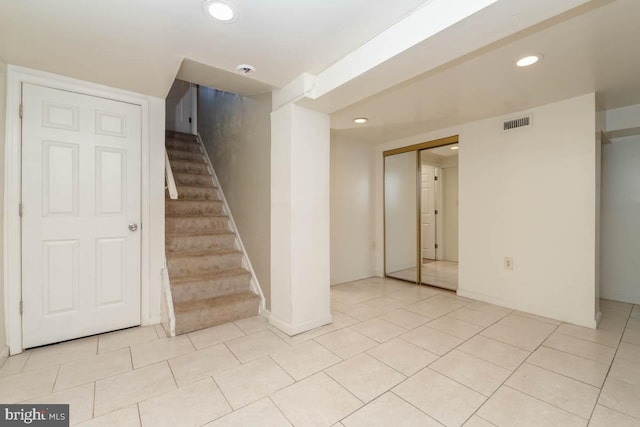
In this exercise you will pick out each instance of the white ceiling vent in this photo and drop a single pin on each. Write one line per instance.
(516, 123)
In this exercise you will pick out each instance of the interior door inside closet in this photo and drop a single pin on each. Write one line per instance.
(421, 216)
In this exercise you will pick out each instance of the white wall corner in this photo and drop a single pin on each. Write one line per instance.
(292, 329)
(298, 88)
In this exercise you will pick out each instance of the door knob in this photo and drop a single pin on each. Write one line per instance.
(133, 226)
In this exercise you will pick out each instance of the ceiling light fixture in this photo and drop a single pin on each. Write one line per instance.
(528, 60)
(220, 10)
(360, 120)
(455, 147)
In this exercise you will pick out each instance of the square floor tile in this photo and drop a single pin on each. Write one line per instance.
(476, 421)
(17, 388)
(477, 374)
(346, 342)
(365, 377)
(14, 364)
(56, 354)
(255, 346)
(443, 399)
(405, 319)
(456, 327)
(125, 417)
(79, 399)
(253, 381)
(434, 341)
(215, 335)
(477, 317)
(305, 359)
(315, 401)
(126, 338)
(94, 368)
(385, 303)
(379, 330)
(131, 387)
(587, 349)
(253, 324)
(598, 336)
(389, 410)
(402, 356)
(509, 407)
(489, 308)
(496, 352)
(161, 349)
(262, 413)
(363, 311)
(520, 332)
(436, 306)
(629, 352)
(566, 393)
(201, 364)
(576, 367)
(605, 417)
(621, 396)
(193, 405)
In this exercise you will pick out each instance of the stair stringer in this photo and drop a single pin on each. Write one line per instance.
(246, 262)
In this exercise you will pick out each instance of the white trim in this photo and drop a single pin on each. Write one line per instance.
(4, 355)
(167, 312)
(168, 173)
(299, 328)
(246, 262)
(16, 76)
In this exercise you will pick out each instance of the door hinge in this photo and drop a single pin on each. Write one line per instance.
(20, 111)
(20, 210)
(436, 211)
(435, 178)
(21, 307)
(436, 246)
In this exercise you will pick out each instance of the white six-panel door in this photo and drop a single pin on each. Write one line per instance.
(80, 194)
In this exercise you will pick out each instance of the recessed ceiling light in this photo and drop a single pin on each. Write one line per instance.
(455, 147)
(220, 10)
(525, 61)
(360, 120)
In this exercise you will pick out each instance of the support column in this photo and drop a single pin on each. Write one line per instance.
(300, 242)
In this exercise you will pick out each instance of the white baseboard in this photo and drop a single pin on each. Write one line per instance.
(588, 323)
(154, 320)
(4, 355)
(619, 296)
(299, 328)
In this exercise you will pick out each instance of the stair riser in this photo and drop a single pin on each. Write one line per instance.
(196, 320)
(200, 243)
(198, 193)
(210, 288)
(190, 179)
(193, 207)
(191, 156)
(181, 166)
(175, 144)
(178, 225)
(197, 265)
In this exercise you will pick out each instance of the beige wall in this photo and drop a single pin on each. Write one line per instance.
(236, 131)
(3, 100)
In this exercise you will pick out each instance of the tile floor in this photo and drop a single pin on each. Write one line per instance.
(443, 274)
(396, 354)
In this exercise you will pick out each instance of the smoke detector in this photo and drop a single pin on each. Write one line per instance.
(246, 69)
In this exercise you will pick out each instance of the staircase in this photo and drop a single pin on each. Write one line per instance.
(208, 283)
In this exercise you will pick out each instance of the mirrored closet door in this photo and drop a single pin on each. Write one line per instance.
(421, 213)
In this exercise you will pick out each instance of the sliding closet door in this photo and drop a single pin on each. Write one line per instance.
(401, 216)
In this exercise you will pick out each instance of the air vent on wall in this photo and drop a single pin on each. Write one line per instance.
(516, 123)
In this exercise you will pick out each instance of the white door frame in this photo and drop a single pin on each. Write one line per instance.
(13, 187)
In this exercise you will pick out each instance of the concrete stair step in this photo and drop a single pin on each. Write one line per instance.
(197, 263)
(222, 240)
(195, 315)
(191, 288)
(191, 224)
(193, 207)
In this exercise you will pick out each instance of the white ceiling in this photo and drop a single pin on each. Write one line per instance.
(139, 45)
(590, 49)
